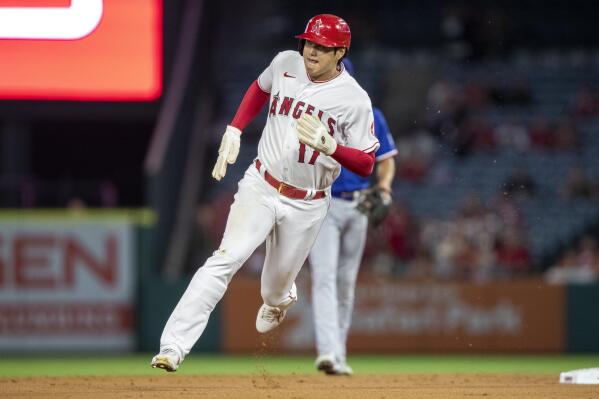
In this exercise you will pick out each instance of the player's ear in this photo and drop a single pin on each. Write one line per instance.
(340, 53)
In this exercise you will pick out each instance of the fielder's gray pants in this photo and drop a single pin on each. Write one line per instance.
(334, 261)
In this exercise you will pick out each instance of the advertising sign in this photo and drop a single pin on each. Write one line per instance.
(414, 317)
(95, 50)
(66, 285)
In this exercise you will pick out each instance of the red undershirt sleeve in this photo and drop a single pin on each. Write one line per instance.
(354, 160)
(253, 101)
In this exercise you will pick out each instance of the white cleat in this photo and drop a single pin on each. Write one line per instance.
(343, 369)
(167, 359)
(325, 363)
(269, 317)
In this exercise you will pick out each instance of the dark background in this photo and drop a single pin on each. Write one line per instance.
(62, 154)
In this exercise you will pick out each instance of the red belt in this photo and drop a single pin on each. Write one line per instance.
(287, 190)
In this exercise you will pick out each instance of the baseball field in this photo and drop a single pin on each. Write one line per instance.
(279, 377)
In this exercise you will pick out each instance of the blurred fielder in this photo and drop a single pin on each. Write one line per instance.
(336, 255)
(319, 118)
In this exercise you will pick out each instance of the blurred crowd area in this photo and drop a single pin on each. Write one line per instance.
(64, 163)
(497, 173)
(32, 193)
(498, 177)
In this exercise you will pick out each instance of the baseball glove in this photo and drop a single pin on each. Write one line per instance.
(374, 203)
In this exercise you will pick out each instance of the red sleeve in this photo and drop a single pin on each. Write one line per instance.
(250, 106)
(357, 161)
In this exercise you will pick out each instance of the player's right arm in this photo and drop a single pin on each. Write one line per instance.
(253, 101)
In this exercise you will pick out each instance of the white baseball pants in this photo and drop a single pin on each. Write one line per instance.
(258, 213)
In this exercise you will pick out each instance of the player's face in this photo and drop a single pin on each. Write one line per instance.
(320, 61)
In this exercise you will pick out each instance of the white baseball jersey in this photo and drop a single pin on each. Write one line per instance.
(340, 103)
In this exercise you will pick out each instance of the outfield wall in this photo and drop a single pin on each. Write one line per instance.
(88, 280)
(523, 316)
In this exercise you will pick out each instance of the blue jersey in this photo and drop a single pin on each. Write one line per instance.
(349, 181)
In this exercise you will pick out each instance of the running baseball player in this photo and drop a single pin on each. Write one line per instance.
(319, 118)
(336, 255)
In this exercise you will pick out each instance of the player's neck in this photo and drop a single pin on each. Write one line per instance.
(326, 76)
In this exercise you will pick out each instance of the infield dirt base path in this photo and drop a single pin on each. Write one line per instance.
(442, 386)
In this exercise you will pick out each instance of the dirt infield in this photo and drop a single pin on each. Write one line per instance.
(444, 386)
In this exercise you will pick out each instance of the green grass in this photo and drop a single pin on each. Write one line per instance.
(195, 364)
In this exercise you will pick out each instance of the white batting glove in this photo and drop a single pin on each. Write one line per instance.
(228, 151)
(313, 133)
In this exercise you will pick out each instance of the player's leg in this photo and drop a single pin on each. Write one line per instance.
(250, 220)
(324, 256)
(350, 257)
(287, 247)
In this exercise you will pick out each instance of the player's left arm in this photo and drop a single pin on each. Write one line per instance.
(376, 202)
(360, 134)
(313, 133)
(385, 172)
(354, 160)
(385, 161)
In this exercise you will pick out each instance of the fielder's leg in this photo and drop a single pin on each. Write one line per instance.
(350, 257)
(323, 266)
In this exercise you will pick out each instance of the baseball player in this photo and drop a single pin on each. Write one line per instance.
(336, 254)
(319, 118)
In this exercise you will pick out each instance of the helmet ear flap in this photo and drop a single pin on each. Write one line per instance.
(300, 46)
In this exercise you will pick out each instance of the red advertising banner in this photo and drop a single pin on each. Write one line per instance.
(67, 284)
(95, 50)
(523, 316)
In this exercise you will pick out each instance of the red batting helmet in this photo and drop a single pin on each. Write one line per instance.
(327, 30)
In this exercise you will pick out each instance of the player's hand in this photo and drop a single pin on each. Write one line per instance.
(313, 133)
(228, 151)
(385, 195)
